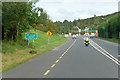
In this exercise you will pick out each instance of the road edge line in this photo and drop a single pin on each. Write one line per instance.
(109, 55)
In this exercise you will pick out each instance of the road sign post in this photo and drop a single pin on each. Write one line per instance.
(28, 42)
(33, 43)
(31, 36)
(48, 40)
(49, 34)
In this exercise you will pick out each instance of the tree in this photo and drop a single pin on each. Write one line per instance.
(15, 19)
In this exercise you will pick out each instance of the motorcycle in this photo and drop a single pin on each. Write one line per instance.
(86, 43)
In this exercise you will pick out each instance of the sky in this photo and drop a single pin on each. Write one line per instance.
(60, 10)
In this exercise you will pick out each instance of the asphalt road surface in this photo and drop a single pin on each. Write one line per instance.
(70, 60)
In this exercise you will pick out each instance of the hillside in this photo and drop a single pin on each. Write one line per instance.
(92, 23)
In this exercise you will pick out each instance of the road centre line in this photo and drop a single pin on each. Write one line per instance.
(57, 61)
(63, 54)
(53, 66)
(46, 73)
(60, 57)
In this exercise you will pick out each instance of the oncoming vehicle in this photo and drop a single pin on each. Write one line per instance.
(92, 35)
(74, 37)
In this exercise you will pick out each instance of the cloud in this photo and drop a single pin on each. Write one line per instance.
(64, 11)
(77, 1)
(74, 9)
(102, 0)
(94, 12)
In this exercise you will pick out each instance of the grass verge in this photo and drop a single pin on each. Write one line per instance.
(15, 53)
(111, 40)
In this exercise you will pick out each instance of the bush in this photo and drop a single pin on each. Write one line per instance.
(110, 28)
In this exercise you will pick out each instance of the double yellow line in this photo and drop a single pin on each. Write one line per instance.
(59, 59)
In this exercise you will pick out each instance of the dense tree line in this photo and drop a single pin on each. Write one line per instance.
(15, 19)
(92, 23)
(108, 25)
(19, 17)
(64, 27)
(110, 28)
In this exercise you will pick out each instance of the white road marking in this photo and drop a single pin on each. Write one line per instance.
(104, 52)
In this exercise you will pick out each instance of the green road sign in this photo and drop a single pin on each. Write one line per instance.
(31, 35)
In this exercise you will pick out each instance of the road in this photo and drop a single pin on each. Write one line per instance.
(70, 60)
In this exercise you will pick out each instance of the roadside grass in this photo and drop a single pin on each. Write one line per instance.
(111, 40)
(0, 56)
(15, 53)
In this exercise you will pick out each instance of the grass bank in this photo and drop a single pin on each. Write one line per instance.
(15, 53)
(111, 40)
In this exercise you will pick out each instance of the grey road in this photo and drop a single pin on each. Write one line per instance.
(70, 60)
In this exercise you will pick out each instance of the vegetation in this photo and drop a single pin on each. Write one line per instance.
(95, 22)
(14, 53)
(110, 28)
(111, 40)
(19, 18)
(24, 15)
